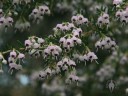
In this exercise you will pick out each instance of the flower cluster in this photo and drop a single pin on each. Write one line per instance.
(38, 13)
(64, 27)
(69, 43)
(65, 63)
(77, 32)
(52, 50)
(79, 20)
(122, 15)
(72, 79)
(68, 47)
(62, 66)
(103, 20)
(33, 45)
(22, 25)
(89, 56)
(117, 2)
(105, 73)
(6, 22)
(106, 43)
(14, 60)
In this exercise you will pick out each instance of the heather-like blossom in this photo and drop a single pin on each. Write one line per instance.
(14, 66)
(52, 50)
(69, 43)
(37, 14)
(6, 22)
(63, 52)
(72, 79)
(117, 2)
(79, 20)
(106, 43)
(64, 27)
(22, 25)
(103, 20)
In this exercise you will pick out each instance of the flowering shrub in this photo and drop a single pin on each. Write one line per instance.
(80, 53)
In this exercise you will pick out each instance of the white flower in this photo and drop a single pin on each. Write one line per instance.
(76, 78)
(113, 44)
(27, 25)
(48, 71)
(105, 16)
(103, 43)
(42, 74)
(21, 56)
(76, 34)
(57, 48)
(100, 20)
(107, 39)
(92, 56)
(4, 61)
(40, 41)
(119, 13)
(13, 54)
(65, 61)
(36, 16)
(31, 52)
(35, 11)
(36, 45)
(2, 20)
(72, 78)
(46, 52)
(98, 44)
(79, 19)
(46, 10)
(71, 26)
(64, 68)
(11, 60)
(69, 42)
(71, 63)
(13, 66)
(74, 19)
(58, 70)
(85, 21)
(59, 26)
(81, 58)
(9, 20)
(62, 40)
(106, 21)
(28, 43)
(117, 2)
(55, 53)
(60, 64)
(76, 56)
